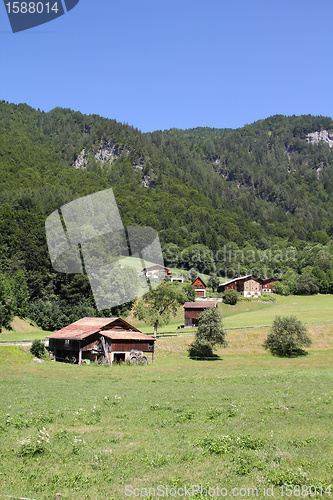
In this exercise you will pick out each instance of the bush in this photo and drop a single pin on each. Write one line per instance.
(287, 337)
(230, 297)
(201, 348)
(38, 348)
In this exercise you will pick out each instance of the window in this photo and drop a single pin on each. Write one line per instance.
(66, 342)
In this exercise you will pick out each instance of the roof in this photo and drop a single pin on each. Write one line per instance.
(262, 280)
(87, 326)
(126, 335)
(156, 266)
(268, 280)
(238, 279)
(202, 281)
(198, 305)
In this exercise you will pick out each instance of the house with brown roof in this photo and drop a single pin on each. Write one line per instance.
(249, 285)
(200, 287)
(192, 311)
(156, 271)
(99, 339)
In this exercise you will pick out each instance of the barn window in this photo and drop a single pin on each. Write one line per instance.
(150, 347)
(66, 342)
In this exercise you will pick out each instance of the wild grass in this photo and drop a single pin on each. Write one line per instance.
(247, 420)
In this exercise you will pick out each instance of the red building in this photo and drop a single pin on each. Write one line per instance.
(200, 287)
(99, 339)
(192, 311)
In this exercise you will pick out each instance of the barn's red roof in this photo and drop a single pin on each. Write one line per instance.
(198, 305)
(126, 335)
(87, 326)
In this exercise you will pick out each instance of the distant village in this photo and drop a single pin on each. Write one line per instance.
(114, 340)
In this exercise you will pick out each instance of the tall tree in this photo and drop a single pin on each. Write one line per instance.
(210, 334)
(158, 305)
(7, 302)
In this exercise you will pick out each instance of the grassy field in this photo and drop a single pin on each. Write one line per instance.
(309, 309)
(314, 308)
(247, 420)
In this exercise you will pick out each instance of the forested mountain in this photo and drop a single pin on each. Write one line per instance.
(226, 201)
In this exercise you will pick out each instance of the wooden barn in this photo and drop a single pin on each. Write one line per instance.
(99, 339)
(192, 311)
(249, 285)
(200, 287)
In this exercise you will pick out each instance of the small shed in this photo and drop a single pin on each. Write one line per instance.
(99, 339)
(200, 287)
(192, 311)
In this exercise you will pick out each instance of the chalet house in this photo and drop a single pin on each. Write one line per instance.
(200, 287)
(192, 311)
(155, 271)
(98, 339)
(249, 285)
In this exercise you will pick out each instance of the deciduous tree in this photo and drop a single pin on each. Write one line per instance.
(287, 337)
(210, 334)
(157, 305)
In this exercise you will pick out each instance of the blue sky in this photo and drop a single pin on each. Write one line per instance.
(185, 63)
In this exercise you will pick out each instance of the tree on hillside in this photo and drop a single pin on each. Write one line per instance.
(189, 292)
(230, 297)
(306, 284)
(7, 302)
(287, 337)
(192, 274)
(157, 305)
(210, 334)
(213, 282)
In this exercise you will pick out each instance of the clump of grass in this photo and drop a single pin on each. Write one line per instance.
(31, 446)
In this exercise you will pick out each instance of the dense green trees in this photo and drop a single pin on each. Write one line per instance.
(7, 302)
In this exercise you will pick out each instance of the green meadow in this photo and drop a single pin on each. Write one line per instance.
(246, 424)
(309, 309)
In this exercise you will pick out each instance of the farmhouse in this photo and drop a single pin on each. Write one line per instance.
(155, 271)
(200, 287)
(192, 311)
(99, 339)
(249, 285)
